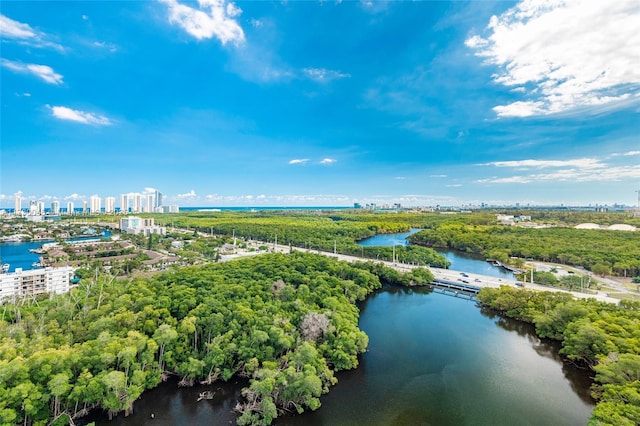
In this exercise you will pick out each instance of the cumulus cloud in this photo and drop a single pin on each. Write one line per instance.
(323, 75)
(44, 72)
(299, 161)
(328, 161)
(563, 54)
(64, 113)
(23, 33)
(212, 18)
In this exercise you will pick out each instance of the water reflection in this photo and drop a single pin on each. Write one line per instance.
(579, 378)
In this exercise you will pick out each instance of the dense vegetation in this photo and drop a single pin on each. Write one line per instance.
(285, 321)
(600, 336)
(603, 252)
(324, 232)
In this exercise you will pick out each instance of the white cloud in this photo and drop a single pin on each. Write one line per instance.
(573, 175)
(323, 75)
(105, 45)
(588, 163)
(454, 185)
(188, 195)
(255, 23)
(575, 170)
(212, 18)
(64, 113)
(23, 33)
(299, 161)
(44, 72)
(567, 54)
(328, 161)
(399, 178)
(149, 190)
(630, 153)
(74, 197)
(14, 29)
(438, 176)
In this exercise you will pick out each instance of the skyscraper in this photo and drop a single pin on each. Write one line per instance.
(124, 203)
(70, 207)
(55, 207)
(110, 204)
(158, 200)
(95, 202)
(148, 204)
(18, 204)
(137, 203)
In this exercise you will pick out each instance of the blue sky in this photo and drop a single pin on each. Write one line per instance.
(292, 103)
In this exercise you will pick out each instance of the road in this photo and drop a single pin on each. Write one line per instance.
(476, 280)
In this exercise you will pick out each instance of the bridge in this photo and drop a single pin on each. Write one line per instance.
(467, 282)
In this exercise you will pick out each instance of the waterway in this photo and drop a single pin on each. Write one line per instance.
(460, 261)
(17, 254)
(433, 359)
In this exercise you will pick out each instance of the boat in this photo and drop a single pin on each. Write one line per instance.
(5, 268)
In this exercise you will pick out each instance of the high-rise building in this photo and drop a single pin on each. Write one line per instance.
(70, 207)
(33, 207)
(55, 207)
(137, 203)
(40, 207)
(110, 204)
(84, 206)
(158, 199)
(149, 204)
(95, 202)
(124, 203)
(18, 204)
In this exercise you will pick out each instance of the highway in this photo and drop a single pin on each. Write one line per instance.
(461, 277)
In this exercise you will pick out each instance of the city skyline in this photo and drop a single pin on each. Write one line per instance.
(321, 103)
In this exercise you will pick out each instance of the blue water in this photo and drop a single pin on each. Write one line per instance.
(460, 261)
(17, 255)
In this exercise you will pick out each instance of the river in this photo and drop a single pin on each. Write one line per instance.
(460, 261)
(433, 359)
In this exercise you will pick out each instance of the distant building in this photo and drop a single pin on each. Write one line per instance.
(138, 225)
(171, 209)
(55, 207)
(357, 205)
(70, 207)
(110, 204)
(137, 203)
(124, 203)
(33, 208)
(95, 202)
(37, 281)
(84, 207)
(17, 208)
(158, 200)
(149, 204)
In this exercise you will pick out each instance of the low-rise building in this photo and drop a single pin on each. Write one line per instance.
(138, 225)
(21, 283)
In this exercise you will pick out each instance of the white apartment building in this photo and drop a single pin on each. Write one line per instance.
(137, 203)
(138, 225)
(17, 207)
(124, 203)
(110, 204)
(36, 281)
(55, 207)
(70, 207)
(149, 203)
(94, 204)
